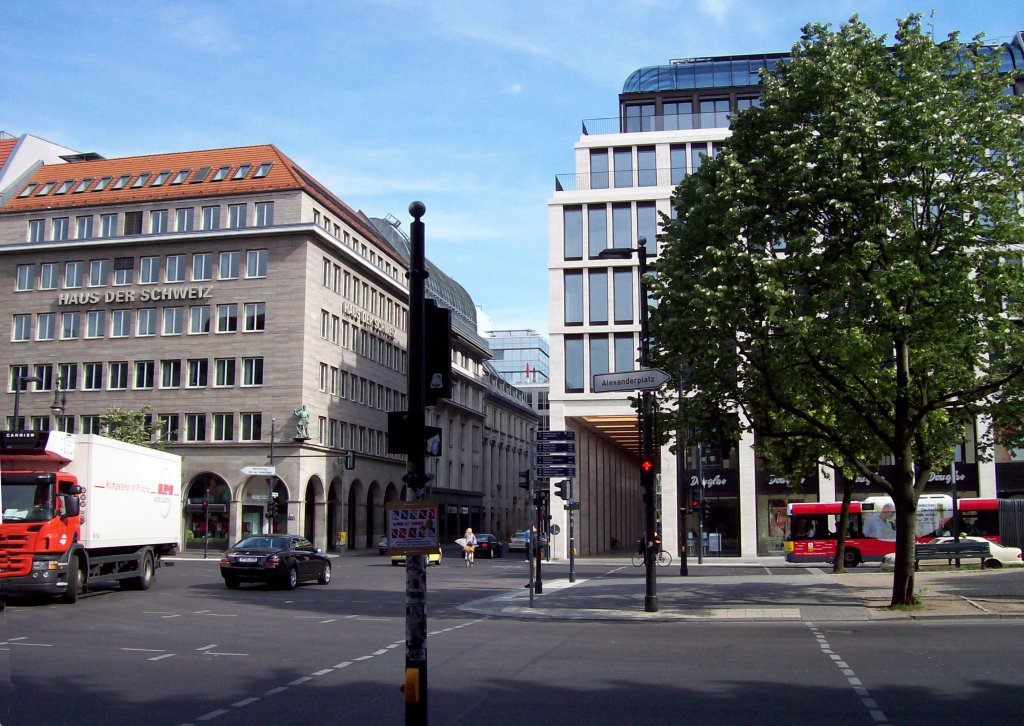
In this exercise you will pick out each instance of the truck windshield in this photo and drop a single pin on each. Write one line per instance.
(28, 501)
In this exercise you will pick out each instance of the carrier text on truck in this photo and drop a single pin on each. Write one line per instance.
(84, 510)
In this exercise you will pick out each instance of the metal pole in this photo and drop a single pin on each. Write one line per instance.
(270, 479)
(535, 542)
(19, 384)
(956, 523)
(681, 488)
(572, 535)
(700, 503)
(647, 436)
(415, 684)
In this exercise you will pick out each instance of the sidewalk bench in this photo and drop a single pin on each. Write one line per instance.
(950, 551)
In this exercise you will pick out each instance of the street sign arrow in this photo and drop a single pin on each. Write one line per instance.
(645, 379)
(259, 470)
(547, 472)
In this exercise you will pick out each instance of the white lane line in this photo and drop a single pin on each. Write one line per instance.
(877, 714)
(363, 657)
(161, 657)
(274, 691)
(212, 715)
(218, 653)
(245, 702)
(343, 664)
(146, 650)
(208, 647)
(324, 672)
(382, 651)
(300, 681)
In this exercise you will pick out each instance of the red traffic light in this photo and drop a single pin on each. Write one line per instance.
(646, 465)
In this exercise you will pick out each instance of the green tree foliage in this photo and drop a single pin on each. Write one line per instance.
(845, 274)
(132, 426)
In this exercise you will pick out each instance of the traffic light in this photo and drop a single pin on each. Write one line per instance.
(705, 508)
(272, 509)
(206, 507)
(437, 352)
(524, 479)
(646, 466)
(694, 505)
(561, 489)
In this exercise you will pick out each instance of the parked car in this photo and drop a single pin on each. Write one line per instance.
(382, 544)
(284, 560)
(519, 541)
(489, 546)
(1000, 556)
(433, 558)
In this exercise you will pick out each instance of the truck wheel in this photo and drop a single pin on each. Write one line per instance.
(325, 575)
(70, 595)
(144, 580)
(292, 578)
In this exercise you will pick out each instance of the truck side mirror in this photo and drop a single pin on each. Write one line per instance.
(72, 507)
(75, 489)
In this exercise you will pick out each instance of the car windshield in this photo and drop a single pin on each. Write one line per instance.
(263, 543)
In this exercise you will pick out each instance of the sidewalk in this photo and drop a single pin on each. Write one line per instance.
(809, 594)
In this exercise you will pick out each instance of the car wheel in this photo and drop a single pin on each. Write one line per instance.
(993, 564)
(291, 578)
(325, 574)
(851, 558)
(231, 582)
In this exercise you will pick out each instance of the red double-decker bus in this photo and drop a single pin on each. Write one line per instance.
(871, 531)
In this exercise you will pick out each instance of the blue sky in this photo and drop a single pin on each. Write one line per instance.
(470, 106)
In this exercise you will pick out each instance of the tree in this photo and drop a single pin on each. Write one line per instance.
(840, 274)
(133, 426)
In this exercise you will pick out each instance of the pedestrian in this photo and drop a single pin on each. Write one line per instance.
(470, 546)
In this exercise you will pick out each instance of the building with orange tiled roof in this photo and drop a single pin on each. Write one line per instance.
(224, 290)
(21, 155)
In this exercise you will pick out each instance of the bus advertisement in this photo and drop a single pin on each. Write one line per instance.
(871, 530)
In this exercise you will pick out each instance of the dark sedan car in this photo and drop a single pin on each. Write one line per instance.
(489, 546)
(280, 559)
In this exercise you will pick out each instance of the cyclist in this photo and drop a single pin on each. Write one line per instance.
(469, 547)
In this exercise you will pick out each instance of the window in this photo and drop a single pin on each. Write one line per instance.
(255, 317)
(49, 274)
(714, 113)
(697, 154)
(70, 323)
(21, 329)
(102, 183)
(174, 321)
(92, 424)
(92, 376)
(572, 232)
(158, 221)
(36, 230)
(118, 375)
(184, 219)
(175, 268)
(639, 117)
(46, 188)
(622, 282)
(169, 427)
(202, 266)
(224, 372)
(83, 185)
(211, 217)
(108, 225)
(599, 168)
(133, 222)
(198, 372)
(227, 318)
(623, 167)
(236, 216)
(252, 371)
(121, 182)
(26, 278)
(597, 234)
(622, 225)
(252, 426)
(262, 170)
(99, 272)
(598, 354)
(170, 373)
(27, 191)
(201, 175)
(161, 178)
(221, 173)
(146, 322)
(61, 228)
(83, 227)
(598, 297)
(574, 363)
(646, 162)
(573, 297)
(120, 323)
(199, 319)
(45, 326)
(149, 270)
(65, 186)
(256, 263)
(223, 427)
(144, 370)
(181, 176)
(242, 171)
(227, 268)
(73, 274)
(95, 323)
(124, 271)
(195, 427)
(68, 373)
(264, 214)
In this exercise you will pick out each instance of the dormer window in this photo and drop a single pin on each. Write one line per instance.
(143, 178)
(161, 178)
(242, 171)
(201, 175)
(27, 191)
(181, 176)
(121, 182)
(65, 186)
(221, 173)
(102, 183)
(46, 188)
(263, 170)
(83, 185)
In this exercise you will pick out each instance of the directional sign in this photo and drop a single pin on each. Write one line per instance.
(556, 460)
(555, 447)
(556, 436)
(547, 472)
(645, 379)
(259, 470)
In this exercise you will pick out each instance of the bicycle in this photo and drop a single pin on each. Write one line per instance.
(662, 558)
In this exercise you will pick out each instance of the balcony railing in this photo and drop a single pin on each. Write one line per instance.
(624, 179)
(669, 122)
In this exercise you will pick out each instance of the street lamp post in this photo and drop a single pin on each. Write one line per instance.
(19, 385)
(648, 468)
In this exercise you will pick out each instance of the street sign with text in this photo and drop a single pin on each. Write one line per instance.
(645, 379)
(556, 436)
(259, 470)
(555, 447)
(556, 459)
(548, 472)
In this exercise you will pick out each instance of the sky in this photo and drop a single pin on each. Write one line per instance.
(470, 106)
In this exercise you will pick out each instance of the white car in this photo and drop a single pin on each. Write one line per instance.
(519, 541)
(1000, 556)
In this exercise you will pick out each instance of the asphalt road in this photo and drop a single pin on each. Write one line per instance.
(189, 651)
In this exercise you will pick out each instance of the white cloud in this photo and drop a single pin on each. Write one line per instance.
(513, 89)
(717, 9)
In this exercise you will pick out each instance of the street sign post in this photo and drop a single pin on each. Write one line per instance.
(549, 472)
(259, 470)
(645, 379)
(556, 459)
(556, 436)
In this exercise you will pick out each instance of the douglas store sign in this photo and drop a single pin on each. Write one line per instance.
(717, 482)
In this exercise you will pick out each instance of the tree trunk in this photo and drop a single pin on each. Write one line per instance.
(839, 563)
(906, 527)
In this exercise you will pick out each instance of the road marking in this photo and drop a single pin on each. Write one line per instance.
(343, 664)
(207, 647)
(212, 715)
(236, 654)
(245, 702)
(274, 691)
(300, 681)
(324, 672)
(161, 657)
(877, 714)
(146, 650)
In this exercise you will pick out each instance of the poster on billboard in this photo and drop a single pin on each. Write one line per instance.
(411, 527)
